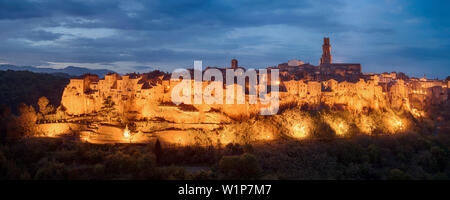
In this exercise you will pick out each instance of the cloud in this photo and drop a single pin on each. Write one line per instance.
(172, 33)
(12, 9)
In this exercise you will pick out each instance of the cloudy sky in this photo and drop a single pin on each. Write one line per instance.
(412, 36)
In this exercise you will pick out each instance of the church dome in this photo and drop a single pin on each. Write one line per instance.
(295, 63)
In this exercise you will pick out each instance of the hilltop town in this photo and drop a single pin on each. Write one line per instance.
(329, 84)
(138, 107)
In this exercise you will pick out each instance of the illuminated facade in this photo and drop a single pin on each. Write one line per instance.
(145, 99)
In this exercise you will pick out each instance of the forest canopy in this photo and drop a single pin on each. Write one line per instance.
(27, 87)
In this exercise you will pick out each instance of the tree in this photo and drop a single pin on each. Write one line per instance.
(44, 107)
(250, 168)
(108, 110)
(244, 166)
(6, 120)
(397, 174)
(158, 151)
(61, 112)
(27, 119)
(229, 166)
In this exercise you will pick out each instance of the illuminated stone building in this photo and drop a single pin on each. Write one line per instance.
(145, 101)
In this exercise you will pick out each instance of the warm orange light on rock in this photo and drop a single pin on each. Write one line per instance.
(395, 124)
(366, 124)
(341, 128)
(56, 129)
(338, 124)
(417, 113)
(126, 133)
(301, 130)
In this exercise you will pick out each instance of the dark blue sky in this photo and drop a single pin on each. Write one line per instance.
(412, 36)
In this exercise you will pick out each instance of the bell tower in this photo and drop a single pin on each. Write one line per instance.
(326, 52)
(234, 64)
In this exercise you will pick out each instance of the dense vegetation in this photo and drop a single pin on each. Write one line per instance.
(403, 156)
(27, 87)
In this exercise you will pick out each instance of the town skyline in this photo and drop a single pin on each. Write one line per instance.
(135, 36)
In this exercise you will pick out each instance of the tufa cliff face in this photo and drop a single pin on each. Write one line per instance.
(148, 98)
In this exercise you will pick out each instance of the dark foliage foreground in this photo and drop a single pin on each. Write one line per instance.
(27, 87)
(404, 156)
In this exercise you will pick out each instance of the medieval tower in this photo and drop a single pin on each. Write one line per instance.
(326, 55)
(234, 64)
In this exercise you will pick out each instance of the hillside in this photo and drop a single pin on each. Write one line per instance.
(70, 70)
(27, 87)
